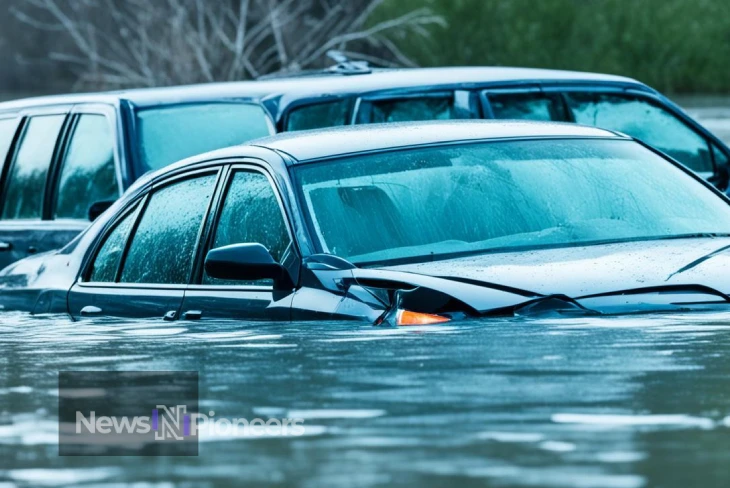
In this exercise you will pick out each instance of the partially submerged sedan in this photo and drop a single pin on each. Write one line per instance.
(398, 224)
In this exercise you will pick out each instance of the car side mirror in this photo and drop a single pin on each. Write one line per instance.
(249, 261)
(98, 208)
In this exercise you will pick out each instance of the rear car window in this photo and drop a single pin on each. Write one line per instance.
(169, 134)
(530, 106)
(411, 109)
(318, 115)
(26, 180)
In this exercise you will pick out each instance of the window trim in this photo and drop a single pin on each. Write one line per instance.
(205, 244)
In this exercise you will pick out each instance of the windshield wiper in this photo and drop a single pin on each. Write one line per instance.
(699, 261)
(696, 235)
(699, 289)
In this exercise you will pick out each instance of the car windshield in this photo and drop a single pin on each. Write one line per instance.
(422, 203)
(168, 134)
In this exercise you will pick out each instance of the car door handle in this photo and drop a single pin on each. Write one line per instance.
(90, 310)
(32, 249)
(171, 315)
(5, 246)
(192, 315)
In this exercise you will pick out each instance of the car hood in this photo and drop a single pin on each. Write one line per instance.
(580, 272)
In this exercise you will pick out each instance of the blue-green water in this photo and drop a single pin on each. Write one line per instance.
(617, 403)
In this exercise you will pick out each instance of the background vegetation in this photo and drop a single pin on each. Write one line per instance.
(677, 46)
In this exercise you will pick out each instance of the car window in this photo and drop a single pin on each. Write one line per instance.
(7, 132)
(410, 109)
(644, 120)
(251, 213)
(169, 134)
(318, 115)
(27, 177)
(88, 174)
(418, 203)
(162, 246)
(530, 106)
(105, 265)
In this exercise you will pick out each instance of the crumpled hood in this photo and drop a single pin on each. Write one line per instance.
(588, 270)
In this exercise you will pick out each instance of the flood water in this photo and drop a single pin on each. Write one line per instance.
(616, 403)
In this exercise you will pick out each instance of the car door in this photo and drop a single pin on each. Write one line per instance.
(250, 211)
(144, 259)
(88, 171)
(24, 221)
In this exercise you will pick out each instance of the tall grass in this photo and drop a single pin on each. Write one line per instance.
(677, 46)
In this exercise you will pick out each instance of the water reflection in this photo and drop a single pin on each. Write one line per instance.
(623, 402)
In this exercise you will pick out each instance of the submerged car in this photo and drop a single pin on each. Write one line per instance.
(63, 159)
(398, 224)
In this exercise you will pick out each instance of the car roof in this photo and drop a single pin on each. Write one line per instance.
(330, 142)
(327, 84)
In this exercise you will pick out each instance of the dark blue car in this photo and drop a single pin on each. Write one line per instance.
(398, 224)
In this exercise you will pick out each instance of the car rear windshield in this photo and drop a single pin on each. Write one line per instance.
(417, 204)
(168, 134)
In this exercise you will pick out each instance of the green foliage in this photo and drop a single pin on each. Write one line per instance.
(677, 46)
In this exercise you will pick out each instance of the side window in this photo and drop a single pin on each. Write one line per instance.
(647, 122)
(162, 246)
(7, 132)
(527, 106)
(26, 179)
(251, 213)
(410, 109)
(107, 261)
(88, 174)
(318, 115)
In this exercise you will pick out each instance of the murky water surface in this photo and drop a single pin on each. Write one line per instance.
(617, 403)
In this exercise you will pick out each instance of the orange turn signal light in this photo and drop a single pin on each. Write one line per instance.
(406, 317)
